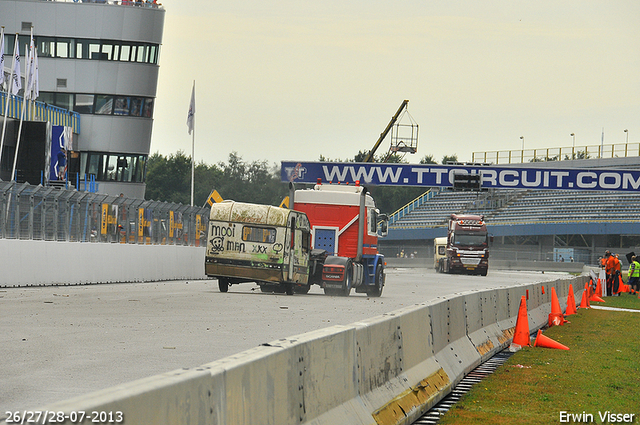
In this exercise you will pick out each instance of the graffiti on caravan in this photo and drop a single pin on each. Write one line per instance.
(429, 175)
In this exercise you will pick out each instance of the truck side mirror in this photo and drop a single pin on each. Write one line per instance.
(383, 225)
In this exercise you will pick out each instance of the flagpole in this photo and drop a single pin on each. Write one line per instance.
(193, 144)
(191, 124)
(9, 90)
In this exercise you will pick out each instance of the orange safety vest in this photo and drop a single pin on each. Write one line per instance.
(610, 264)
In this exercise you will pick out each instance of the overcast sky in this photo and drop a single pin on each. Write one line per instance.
(293, 80)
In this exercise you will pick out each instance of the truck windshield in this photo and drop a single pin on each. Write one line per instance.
(470, 239)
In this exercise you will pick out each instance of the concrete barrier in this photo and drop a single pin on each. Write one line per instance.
(386, 370)
(28, 262)
(494, 264)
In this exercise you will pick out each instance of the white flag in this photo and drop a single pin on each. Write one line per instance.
(16, 84)
(30, 71)
(27, 71)
(1, 57)
(35, 90)
(192, 109)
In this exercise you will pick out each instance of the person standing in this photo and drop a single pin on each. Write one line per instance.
(608, 268)
(62, 163)
(616, 274)
(634, 275)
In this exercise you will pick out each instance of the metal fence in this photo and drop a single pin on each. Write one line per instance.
(52, 214)
(619, 150)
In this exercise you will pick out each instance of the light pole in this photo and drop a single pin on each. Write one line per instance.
(573, 146)
(627, 132)
(522, 153)
(626, 146)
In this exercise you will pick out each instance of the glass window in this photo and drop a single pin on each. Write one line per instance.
(83, 165)
(125, 168)
(121, 106)
(113, 167)
(116, 52)
(373, 221)
(107, 50)
(147, 111)
(471, 239)
(84, 104)
(153, 54)
(82, 49)
(104, 105)
(258, 234)
(125, 52)
(136, 106)
(140, 170)
(47, 97)
(9, 41)
(110, 168)
(94, 165)
(94, 50)
(64, 100)
(24, 41)
(64, 48)
(46, 47)
(142, 54)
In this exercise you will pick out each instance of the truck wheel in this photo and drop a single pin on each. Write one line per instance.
(304, 289)
(484, 272)
(223, 284)
(376, 291)
(289, 288)
(274, 288)
(348, 282)
(331, 292)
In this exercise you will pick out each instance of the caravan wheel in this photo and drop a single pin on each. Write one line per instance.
(223, 284)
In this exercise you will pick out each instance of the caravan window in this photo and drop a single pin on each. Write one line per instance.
(259, 234)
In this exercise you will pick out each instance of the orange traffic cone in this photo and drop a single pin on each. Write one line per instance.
(571, 302)
(622, 287)
(599, 289)
(521, 334)
(584, 302)
(596, 298)
(556, 318)
(546, 342)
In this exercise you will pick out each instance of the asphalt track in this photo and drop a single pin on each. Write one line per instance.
(61, 342)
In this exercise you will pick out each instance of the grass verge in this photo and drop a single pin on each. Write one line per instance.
(623, 301)
(600, 373)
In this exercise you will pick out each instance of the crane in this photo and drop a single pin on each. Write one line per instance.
(398, 143)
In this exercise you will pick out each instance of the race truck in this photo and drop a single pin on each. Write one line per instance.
(465, 249)
(322, 241)
(346, 225)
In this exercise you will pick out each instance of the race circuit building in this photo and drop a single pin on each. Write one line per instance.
(99, 59)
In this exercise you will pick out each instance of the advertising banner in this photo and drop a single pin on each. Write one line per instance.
(433, 175)
(60, 139)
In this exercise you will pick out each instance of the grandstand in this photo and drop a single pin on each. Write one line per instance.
(535, 222)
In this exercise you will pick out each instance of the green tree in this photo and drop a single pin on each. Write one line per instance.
(428, 159)
(449, 158)
(169, 179)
